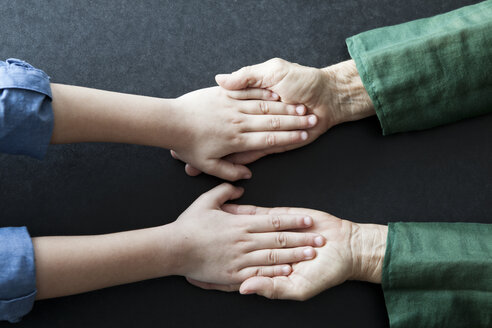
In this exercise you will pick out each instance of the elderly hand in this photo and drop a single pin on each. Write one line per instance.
(335, 94)
(352, 252)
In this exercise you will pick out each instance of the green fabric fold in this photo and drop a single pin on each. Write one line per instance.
(428, 72)
(438, 275)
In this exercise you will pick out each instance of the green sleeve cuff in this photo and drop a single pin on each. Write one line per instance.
(428, 72)
(438, 275)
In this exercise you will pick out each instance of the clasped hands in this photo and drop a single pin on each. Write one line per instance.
(269, 108)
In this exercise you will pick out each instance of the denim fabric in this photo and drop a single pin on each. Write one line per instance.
(26, 124)
(26, 115)
(17, 273)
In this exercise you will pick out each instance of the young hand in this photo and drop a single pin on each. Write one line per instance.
(352, 252)
(335, 94)
(215, 123)
(226, 248)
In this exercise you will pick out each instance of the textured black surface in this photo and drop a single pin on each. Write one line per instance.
(167, 48)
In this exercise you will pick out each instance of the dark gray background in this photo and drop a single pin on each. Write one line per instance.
(167, 48)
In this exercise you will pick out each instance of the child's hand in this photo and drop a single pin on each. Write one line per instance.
(214, 125)
(334, 94)
(223, 248)
(352, 252)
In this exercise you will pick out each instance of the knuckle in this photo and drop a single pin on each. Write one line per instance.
(230, 273)
(251, 209)
(241, 239)
(281, 239)
(275, 123)
(272, 257)
(275, 222)
(236, 119)
(236, 140)
(258, 272)
(276, 61)
(270, 139)
(264, 107)
(243, 69)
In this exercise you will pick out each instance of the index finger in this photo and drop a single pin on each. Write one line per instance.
(278, 222)
(256, 210)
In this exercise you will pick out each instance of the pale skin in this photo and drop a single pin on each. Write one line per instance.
(248, 245)
(352, 251)
(335, 94)
(202, 126)
(216, 131)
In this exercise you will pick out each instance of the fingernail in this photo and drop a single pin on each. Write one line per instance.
(274, 96)
(312, 120)
(286, 269)
(247, 176)
(304, 135)
(246, 292)
(308, 253)
(308, 221)
(318, 241)
(300, 109)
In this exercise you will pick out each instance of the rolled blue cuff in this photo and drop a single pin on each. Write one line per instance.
(17, 273)
(26, 114)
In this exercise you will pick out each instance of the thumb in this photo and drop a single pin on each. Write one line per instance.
(264, 75)
(245, 157)
(192, 171)
(229, 171)
(236, 80)
(274, 288)
(217, 196)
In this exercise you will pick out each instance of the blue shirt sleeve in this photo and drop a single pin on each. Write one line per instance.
(17, 273)
(26, 115)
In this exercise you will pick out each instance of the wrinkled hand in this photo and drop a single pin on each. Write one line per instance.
(214, 125)
(352, 252)
(334, 94)
(224, 248)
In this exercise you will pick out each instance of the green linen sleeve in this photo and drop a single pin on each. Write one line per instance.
(438, 275)
(429, 71)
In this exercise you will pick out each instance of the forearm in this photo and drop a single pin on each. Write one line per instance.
(91, 115)
(77, 264)
(346, 93)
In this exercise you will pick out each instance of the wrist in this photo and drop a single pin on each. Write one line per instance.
(165, 125)
(368, 245)
(349, 98)
(171, 250)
